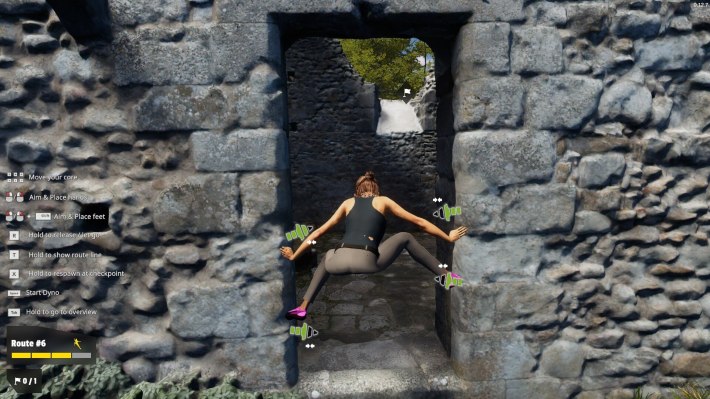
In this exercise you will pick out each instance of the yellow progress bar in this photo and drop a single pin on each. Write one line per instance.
(41, 355)
(20, 355)
(61, 355)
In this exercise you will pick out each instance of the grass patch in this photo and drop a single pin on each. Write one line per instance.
(688, 391)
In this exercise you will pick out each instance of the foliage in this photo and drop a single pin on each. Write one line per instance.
(105, 380)
(688, 391)
(101, 380)
(389, 63)
(638, 394)
(691, 391)
(160, 390)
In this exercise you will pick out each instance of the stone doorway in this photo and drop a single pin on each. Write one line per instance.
(384, 324)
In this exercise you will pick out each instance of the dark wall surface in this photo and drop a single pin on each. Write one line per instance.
(332, 120)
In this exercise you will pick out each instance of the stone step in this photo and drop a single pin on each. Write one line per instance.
(378, 383)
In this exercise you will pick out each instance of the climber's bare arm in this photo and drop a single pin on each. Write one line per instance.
(428, 227)
(339, 215)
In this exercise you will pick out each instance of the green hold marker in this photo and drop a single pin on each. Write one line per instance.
(304, 332)
(301, 231)
(447, 212)
(445, 282)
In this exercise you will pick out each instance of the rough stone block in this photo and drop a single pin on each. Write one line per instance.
(31, 76)
(259, 10)
(201, 204)
(7, 34)
(700, 17)
(240, 150)
(18, 119)
(22, 6)
(181, 108)
(259, 101)
(237, 48)
(671, 53)
(630, 362)
(505, 306)
(491, 356)
(597, 144)
(561, 102)
(607, 199)
(695, 339)
(529, 209)
(626, 101)
(136, 12)
(69, 65)
(143, 57)
(692, 111)
(193, 55)
(488, 159)
(690, 146)
(39, 44)
(526, 304)
(256, 103)
(26, 150)
(236, 262)
(266, 302)
(598, 170)
(473, 307)
(635, 24)
(139, 369)
(265, 197)
(186, 254)
(658, 253)
(563, 359)
(140, 298)
(208, 311)
(489, 102)
(503, 10)
(259, 363)
(589, 17)
(542, 388)
(14, 96)
(690, 364)
(694, 254)
(591, 222)
(512, 258)
(100, 120)
(611, 339)
(131, 343)
(481, 48)
(536, 50)
(546, 13)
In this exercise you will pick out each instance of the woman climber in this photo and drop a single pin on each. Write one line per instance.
(360, 250)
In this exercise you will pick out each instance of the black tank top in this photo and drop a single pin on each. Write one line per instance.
(364, 222)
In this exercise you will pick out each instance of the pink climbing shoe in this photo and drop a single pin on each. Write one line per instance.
(449, 280)
(296, 314)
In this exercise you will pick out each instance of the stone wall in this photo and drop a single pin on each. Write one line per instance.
(333, 117)
(188, 160)
(581, 163)
(580, 159)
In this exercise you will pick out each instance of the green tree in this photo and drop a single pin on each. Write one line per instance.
(389, 63)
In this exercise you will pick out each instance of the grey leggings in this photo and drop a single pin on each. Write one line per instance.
(351, 261)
